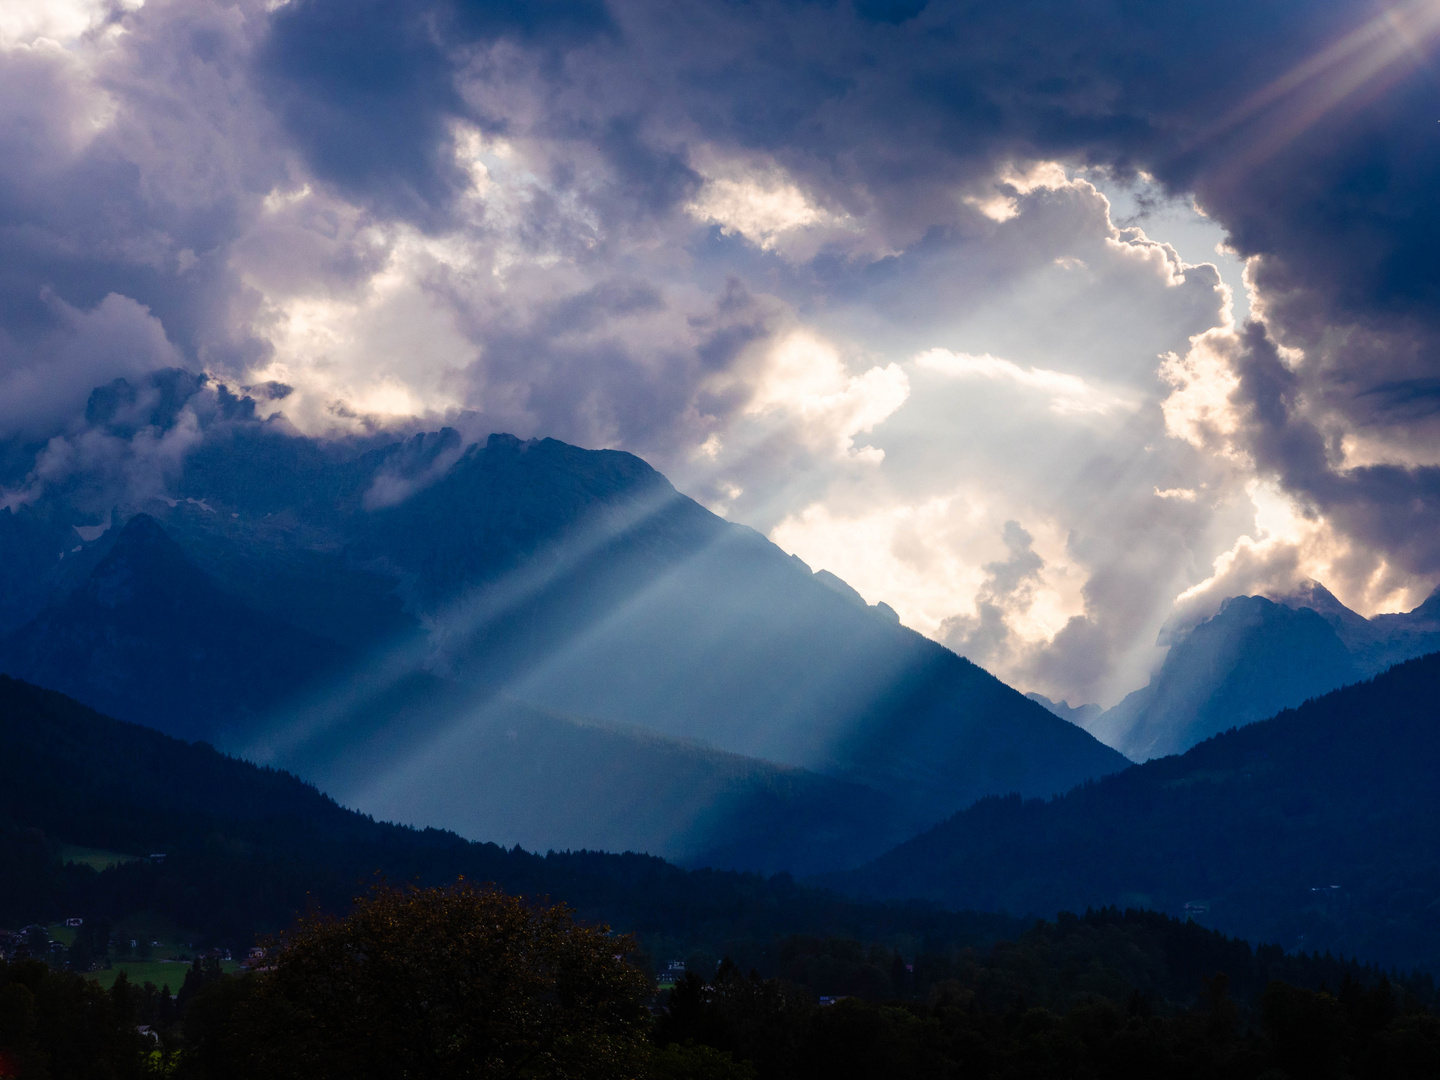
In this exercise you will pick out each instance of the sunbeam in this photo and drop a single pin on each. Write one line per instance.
(449, 630)
(1356, 69)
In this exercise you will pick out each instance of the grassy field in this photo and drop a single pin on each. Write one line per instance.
(159, 972)
(95, 858)
(166, 940)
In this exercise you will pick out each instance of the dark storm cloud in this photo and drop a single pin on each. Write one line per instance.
(655, 180)
(367, 89)
(1305, 130)
(891, 113)
(126, 239)
(1339, 205)
(113, 236)
(886, 98)
(1390, 508)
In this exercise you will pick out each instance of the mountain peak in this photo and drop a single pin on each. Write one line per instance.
(143, 554)
(1429, 608)
(149, 637)
(1315, 596)
(142, 532)
(1079, 715)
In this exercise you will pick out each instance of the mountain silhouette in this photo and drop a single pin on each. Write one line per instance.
(1316, 829)
(1256, 656)
(1079, 715)
(574, 582)
(150, 638)
(432, 752)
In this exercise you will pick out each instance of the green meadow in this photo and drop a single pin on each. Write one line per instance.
(96, 858)
(169, 973)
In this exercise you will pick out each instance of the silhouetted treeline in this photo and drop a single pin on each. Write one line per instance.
(247, 849)
(57, 1025)
(1107, 952)
(1357, 1032)
(1088, 996)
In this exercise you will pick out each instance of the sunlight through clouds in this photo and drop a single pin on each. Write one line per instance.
(1198, 408)
(337, 351)
(761, 213)
(930, 561)
(22, 22)
(804, 378)
(1069, 395)
(741, 243)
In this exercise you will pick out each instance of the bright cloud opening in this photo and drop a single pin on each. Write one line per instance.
(931, 560)
(22, 22)
(805, 379)
(1198, 409)
(1069, 394)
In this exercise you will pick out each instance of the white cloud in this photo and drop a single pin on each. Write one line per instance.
(886, 410)
(48, 383)
(804, 380)
(928, 560)
(1289, 546)
(1198, 408)
(1068, 394)
(759, 211)
(1001, 204)
(388, 349)
(22, 22)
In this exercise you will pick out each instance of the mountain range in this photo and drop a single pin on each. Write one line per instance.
(419, 623)
(533, 644)
(222, 851)
(1316, 829)
(1255, 656)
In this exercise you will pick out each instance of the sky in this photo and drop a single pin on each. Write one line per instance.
(1050, 324)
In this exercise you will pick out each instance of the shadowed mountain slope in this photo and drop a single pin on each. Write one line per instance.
(578, 582)
(1316, 829)
(155, 639)
(436, 753)
(1253, 658)
(1079, 715)
(149, 638)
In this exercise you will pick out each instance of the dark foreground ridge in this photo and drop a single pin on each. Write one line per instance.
(1316, 829)
(926, 992)
(247, 848)
(465, 982)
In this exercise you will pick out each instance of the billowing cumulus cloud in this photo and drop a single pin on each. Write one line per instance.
(927, 291)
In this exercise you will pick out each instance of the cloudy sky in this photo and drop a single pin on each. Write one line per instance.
(1046, 322)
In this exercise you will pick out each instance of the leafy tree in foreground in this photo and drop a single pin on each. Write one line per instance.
(56, 1025)
(456, 982)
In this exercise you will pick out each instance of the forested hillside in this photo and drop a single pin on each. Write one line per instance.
(246, 848)
(1315, 829)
